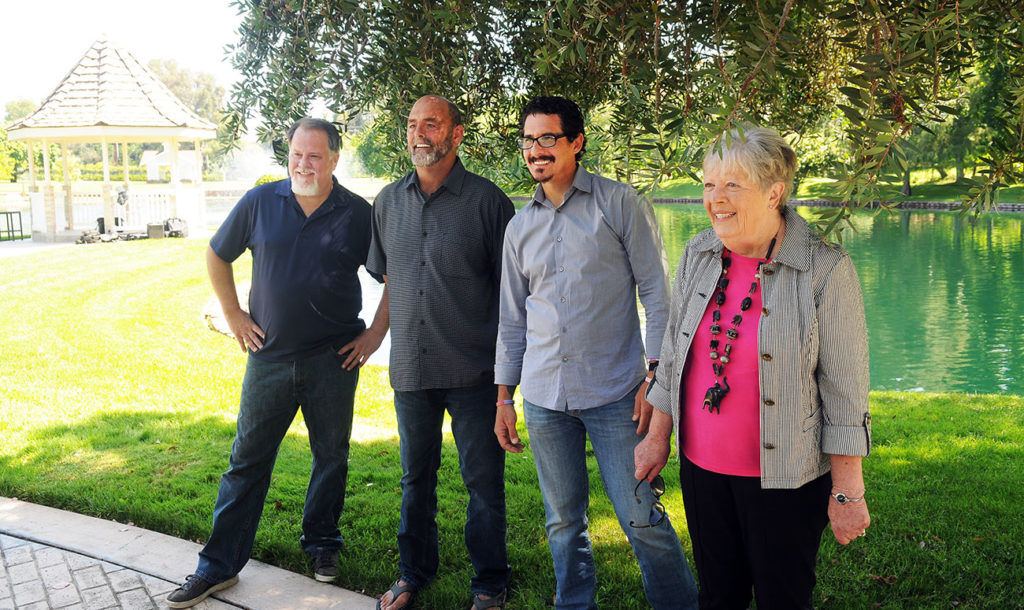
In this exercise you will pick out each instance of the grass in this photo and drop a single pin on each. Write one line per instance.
(118, 402)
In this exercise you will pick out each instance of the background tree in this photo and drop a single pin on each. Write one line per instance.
(659, 80)
(200, 92)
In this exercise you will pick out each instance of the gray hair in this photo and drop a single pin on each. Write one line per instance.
(333, 139)
(763, 155)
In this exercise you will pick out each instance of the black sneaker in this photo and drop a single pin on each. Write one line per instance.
(196, 590)
(325, 566)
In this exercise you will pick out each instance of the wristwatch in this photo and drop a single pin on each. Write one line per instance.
(842, 498)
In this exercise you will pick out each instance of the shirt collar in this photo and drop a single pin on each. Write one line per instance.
(583, 181)
(452, 183)
(794, 251)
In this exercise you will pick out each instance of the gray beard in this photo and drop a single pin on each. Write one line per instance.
(426, 158)
(306, 191)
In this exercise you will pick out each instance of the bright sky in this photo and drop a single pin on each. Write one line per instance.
(41, 41)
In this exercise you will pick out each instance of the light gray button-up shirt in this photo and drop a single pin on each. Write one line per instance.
(569, 330)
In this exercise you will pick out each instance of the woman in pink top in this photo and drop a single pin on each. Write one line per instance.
(764, 373)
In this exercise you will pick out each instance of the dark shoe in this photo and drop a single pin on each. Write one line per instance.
(496, 601)
(196, 590)
(398, 589)
(325, 566)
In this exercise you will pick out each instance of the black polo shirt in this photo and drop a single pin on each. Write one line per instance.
(305, 292)
(442, 256)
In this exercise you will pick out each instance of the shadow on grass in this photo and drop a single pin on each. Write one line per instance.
(160, 471)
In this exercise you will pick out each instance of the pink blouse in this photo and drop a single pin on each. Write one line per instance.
(728, 440)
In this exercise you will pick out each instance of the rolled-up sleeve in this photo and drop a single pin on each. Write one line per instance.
(842, 374)
(511, 346)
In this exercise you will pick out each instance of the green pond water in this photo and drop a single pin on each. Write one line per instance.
(943, 295)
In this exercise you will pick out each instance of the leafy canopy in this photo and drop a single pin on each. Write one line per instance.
(660, 80)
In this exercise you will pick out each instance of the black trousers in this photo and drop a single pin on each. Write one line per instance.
(747, 538)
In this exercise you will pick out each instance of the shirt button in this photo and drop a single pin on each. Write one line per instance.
(764, 311)
(424, 234)
(769, 446)
(424, 350)
(563, 299)
(561, 268)
(421, 293)
(564, 330)
(423, 322)
(559, 238)
(423, 263)
(769, 402)
(565, 359)
(766, 357)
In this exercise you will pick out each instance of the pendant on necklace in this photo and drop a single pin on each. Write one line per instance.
(713, 397)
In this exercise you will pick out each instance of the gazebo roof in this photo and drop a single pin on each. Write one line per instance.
(110, 94)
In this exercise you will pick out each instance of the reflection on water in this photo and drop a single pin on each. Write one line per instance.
(943, 295)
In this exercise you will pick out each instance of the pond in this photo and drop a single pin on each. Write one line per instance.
(943, 295)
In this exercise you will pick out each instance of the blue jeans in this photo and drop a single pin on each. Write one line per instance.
(559, 441)
(272, 392)
(482, 462)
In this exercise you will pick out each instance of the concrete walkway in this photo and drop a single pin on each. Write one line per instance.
(51, 558)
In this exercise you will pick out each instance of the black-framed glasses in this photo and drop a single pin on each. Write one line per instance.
(546, 141)
(657, 508)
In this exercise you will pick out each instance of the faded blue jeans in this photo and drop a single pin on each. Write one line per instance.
(559, 441)
(482, 462)
(272, 392)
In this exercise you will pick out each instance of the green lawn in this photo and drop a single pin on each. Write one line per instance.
(119, 402)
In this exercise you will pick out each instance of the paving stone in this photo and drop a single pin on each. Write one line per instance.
(98, 598)
(29, 593)
(47, 557)
(35, 606)
(62, 596)
(157, 588)
(17, 555)
(7, 604)
(77, 562)
(110, 567)
(23, 572)
(136, 599)
(90, 577)
(56, 575)
(9, 542)
(124, 580)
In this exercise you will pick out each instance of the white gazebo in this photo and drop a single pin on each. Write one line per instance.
(111, 98)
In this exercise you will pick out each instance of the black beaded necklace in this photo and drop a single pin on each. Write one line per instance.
(713, 397)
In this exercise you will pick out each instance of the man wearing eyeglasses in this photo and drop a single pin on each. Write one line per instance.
(574, 259)
(437, 235)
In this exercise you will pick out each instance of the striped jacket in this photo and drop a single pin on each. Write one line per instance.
(813, 351)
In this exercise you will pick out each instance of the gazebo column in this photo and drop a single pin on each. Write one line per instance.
(69, 209)
(32, 186)
(108, 192)
(200, 189)
(49, 197)
(175, 178)
(124, 161)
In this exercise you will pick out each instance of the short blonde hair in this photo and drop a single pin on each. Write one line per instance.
(763, 155)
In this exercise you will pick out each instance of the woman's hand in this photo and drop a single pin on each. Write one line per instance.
(848, 521)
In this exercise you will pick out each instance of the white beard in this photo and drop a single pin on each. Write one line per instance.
(306, 190)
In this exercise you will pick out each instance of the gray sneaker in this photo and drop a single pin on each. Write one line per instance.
(196, 590)
(325, 566)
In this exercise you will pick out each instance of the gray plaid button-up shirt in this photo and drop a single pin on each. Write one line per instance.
(442, 258)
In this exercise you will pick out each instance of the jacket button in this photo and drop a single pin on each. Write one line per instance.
(764, 311)
(769, 402)
(769, 446)
(766, 357)
(767, 272)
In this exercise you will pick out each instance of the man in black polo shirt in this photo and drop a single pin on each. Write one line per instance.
(437, 236)
(308, 236)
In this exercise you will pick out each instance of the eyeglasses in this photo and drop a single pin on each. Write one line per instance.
(546, 141)
(657, 508)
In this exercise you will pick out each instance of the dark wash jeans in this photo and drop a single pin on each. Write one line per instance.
(272, 392)
(482, 462)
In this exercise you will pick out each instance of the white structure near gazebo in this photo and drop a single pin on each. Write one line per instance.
(189, 164)
(109, 97)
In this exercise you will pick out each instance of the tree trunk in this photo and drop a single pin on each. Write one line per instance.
(905, 191)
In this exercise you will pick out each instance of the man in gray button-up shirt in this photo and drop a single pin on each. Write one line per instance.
(574, 260)
(437, 237)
